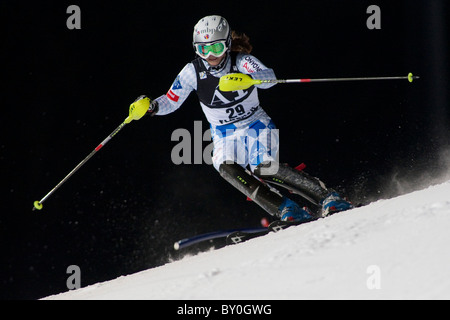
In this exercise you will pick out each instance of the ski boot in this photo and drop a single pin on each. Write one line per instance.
(334, 203)
(291, 211)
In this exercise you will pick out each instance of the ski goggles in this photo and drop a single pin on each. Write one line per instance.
(216, 49)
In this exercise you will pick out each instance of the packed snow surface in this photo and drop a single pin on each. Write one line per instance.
(390, 249)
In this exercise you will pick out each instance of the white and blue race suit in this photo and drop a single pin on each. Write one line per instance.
(241, 130)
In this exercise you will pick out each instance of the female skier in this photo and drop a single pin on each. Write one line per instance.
(243, 134)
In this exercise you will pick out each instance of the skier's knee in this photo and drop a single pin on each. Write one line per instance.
(229, 166)
(267, 168)
(251, 186)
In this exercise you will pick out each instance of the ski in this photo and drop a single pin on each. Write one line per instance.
(241, 236)
(276, 226)
(187, 242)
(234, 236)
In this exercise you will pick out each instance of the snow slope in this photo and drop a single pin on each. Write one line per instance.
(390, 249)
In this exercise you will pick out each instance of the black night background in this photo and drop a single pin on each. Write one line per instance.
(64, 91)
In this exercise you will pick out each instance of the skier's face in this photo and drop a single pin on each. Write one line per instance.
(215, 61)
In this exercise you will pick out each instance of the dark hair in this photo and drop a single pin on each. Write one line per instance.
(240, 42)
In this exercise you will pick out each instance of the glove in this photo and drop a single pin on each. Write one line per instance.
(153, 108)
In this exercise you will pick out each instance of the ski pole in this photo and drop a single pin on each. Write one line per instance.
(240, 81)
(137, 110)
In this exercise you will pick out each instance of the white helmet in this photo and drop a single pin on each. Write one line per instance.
(212, 36)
